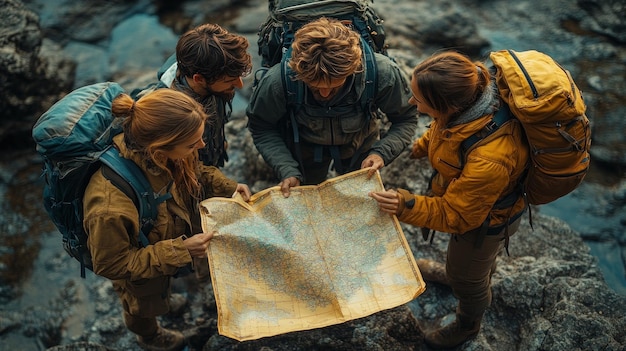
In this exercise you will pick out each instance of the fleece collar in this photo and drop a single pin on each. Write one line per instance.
(487, 104)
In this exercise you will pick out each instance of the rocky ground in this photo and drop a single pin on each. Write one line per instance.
(549, 294)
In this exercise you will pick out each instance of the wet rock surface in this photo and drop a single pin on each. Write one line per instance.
(33, 74)
(549, 294)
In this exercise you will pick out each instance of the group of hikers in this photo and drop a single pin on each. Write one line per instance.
(175, 133)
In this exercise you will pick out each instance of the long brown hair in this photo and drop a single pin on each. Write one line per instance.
(160, 121)
(450, 82)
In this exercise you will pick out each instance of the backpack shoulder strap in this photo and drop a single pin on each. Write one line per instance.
(371, 79)
(499, 118)
(294, 93)
(129, 178)
(294, 89)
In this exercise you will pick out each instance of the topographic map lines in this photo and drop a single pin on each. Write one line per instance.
(323, 256)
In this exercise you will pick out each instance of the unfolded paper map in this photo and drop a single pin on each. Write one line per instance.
(323, 256)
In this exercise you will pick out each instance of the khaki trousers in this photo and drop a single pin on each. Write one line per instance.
(469, 269)
(145, 327)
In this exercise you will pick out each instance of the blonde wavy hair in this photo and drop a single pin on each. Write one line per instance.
(160, 121)
(324, 50)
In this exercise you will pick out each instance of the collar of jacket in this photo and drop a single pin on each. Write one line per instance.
(487, 103)
(180, 84)
(461, 132)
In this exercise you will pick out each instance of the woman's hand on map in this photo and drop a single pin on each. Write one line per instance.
(198, 244)
(388, 200)
(244, 191)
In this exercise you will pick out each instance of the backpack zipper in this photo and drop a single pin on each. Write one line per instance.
(571, 99)
(526, 75)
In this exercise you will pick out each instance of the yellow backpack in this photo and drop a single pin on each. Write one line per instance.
(543, 96)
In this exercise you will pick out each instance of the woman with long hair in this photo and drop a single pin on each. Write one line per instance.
(162, 133)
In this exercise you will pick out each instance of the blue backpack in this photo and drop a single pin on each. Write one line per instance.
(74, 138)
(165, 76)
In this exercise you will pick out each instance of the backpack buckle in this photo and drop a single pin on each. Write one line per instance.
(491, 126)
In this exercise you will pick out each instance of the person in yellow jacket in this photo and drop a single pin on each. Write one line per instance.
(477, 199)
(162, 132)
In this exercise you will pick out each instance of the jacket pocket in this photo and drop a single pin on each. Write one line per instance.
(313, 124)
(448, 168)
(352, 124)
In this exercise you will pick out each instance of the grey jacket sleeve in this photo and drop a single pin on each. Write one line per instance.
(267, 118)
(393, 99)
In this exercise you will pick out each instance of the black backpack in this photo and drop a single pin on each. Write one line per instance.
(287, 16)
(74, 138)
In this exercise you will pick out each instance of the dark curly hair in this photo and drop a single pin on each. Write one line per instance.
(213, 52)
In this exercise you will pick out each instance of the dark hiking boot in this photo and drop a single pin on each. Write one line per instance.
(432, 271)
(178, 302)
(164, 340)
(453, 334)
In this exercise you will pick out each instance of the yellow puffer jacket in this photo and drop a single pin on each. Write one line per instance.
(141, 275)
(463, 196)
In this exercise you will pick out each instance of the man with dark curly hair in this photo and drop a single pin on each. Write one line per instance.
(208, 65)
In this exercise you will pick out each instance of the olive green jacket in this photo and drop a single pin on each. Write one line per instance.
(341, 122)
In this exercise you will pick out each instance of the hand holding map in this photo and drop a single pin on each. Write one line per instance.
(322, 256)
